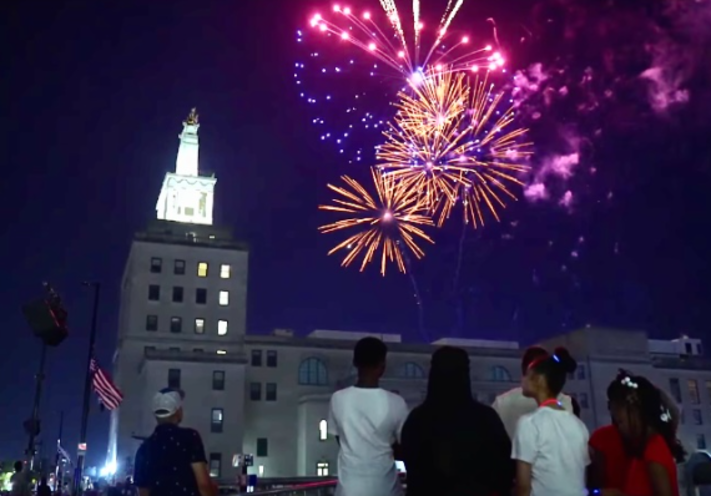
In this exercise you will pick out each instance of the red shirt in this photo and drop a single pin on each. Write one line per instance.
(608, 442)
(656, 451)
(627, 474)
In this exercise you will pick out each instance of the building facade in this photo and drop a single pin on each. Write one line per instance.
(182, 325)
(182, 318)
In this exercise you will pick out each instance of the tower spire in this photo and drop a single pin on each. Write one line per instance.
(187, 196)
(186, 163)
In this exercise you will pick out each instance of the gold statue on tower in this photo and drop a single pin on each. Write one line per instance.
(192, 119)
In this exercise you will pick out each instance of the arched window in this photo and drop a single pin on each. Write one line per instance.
(312, 372)
(323, 430)
(497, 373)
(412, 371)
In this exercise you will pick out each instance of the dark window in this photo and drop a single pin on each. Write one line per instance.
(583, 400)
(412, 371)
(149, 348)
(215, 464)
(174, 378)
(271, 358)
(177, 294)
(271, 391)
(176, 324)
(154, 292)
(700, 442)
(694, 391)
(216, 420)
(256, 358)
(179, 268)
(201, 296)
(698, 418)
(262, 446)
(151, 323)
(174, 349)
(198, 350)
(688, 348)
(497, 373)
(255, 391)
(581, 372)
(156, 265)
(312, 372)
(675, 389)
(218, 380)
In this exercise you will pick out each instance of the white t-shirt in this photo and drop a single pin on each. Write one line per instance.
(367, 422)
(555, 443)
(512, 405)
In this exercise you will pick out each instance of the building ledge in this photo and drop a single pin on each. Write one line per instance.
(178, 233)
(195, 357)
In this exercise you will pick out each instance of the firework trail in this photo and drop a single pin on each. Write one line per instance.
(388, 222)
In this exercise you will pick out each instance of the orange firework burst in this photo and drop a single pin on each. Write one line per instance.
(451, 142)
(389, 221)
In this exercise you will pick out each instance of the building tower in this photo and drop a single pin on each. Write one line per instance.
(182, 319)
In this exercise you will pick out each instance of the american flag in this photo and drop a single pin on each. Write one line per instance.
(106, 390)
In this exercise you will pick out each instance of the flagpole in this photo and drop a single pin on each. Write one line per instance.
(87, 391)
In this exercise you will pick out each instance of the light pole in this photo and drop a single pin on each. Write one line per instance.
(87, 390)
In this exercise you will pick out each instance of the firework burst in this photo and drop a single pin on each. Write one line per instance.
(355, 62)
(453, 144)
(388, 222)
(406, 54)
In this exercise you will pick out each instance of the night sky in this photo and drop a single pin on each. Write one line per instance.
(93, 94)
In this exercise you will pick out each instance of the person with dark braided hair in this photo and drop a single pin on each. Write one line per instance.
(637, 454)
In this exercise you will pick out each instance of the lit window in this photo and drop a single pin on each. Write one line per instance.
(261, 470)
(199, 326)
(221, 327)
(224, 298)
(323, 430)
(221, 352)
(216, 420)
(225, 271)
(202, 269)
(215, 464)
(322, 469)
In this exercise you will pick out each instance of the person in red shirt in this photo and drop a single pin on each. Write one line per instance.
(637, 454)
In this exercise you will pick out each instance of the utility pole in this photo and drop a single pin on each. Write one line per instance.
(87, 392)
(33, 426)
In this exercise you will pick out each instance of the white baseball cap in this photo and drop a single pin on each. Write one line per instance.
(166, 402)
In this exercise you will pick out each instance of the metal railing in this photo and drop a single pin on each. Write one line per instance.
(323, 488)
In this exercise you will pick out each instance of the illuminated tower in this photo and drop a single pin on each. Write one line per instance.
(182, 319)
(186, 196)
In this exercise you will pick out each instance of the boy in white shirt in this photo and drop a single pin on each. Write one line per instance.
(367, 422)
(513, 404)
(551, 444)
